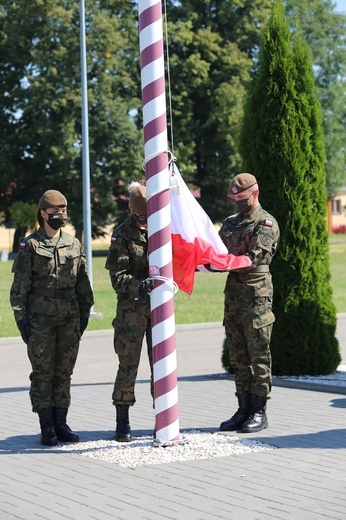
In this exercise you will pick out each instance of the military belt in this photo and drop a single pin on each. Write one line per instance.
(54, 293)
(259, 269)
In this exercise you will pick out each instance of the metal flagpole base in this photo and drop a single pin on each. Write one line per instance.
(159, 443)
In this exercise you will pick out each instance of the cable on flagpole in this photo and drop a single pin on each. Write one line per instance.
(168, 77)
(172, 159)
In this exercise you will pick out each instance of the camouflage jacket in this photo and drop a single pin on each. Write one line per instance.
(127, 259)
(42, 265)
(256, 235)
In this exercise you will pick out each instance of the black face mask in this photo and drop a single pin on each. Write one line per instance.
(141, 219)
(56, 220)
(243, 205)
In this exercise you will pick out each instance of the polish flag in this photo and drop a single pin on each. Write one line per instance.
(195, 241)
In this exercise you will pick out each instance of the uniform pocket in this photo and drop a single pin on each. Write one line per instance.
(68, 262)
(136, 250)
(263, 298)
(43, 261)
(263, 320)
(72, 262)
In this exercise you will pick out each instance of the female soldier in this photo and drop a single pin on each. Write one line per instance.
(51, 299)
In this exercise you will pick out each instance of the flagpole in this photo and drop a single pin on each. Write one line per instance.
(159, 220)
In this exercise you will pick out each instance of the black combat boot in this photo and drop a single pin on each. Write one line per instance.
(240, 416)
(48, 435)
(123, 429)
(63, 431)
(257, 420)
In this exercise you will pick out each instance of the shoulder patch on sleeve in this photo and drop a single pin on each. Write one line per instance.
(267, 222)
(22, 245)
(113, 240)
(265, 239)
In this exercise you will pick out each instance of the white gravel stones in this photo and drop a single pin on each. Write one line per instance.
(143, 452)
(337, 378)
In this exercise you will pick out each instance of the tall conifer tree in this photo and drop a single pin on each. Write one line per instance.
(282, 145)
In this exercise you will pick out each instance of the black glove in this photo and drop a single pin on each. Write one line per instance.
(84, 320)
(144, 290)
(24, 329)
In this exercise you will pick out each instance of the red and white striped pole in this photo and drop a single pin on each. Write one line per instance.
(159, 220)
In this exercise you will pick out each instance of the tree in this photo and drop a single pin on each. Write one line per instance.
(41, 116)
(213, 52)
(282, 144)
(212, 47)
(324, 31)
(23, 217)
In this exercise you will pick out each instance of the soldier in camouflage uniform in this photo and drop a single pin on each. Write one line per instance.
(248, 316)
(128, 267)
(51, 298)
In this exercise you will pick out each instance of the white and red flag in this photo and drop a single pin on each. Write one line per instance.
(195, 241)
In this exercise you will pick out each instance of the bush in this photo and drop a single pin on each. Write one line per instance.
(339, 229)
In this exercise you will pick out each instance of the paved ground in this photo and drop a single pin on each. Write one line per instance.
(303, 480)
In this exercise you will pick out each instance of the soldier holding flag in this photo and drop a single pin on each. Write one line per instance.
(128, 265)
(248, 316)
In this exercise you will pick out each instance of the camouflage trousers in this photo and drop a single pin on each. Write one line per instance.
(248, 327)
(131, 324)
(52, 350)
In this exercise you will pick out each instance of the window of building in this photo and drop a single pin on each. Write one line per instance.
(336, 207)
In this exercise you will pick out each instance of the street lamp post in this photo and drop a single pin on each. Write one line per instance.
(85, 147)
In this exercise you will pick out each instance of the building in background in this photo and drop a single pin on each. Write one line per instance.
(338, 210)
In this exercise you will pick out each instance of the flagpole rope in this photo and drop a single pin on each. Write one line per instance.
(171, 158)
(176, 188)
(171, 283)
(169, 78)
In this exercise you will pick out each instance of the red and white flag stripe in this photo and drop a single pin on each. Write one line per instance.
(195, 241)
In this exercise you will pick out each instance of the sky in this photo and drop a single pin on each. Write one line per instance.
(340, 5)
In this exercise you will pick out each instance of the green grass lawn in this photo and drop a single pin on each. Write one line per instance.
(337, 255)
(204, 305)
